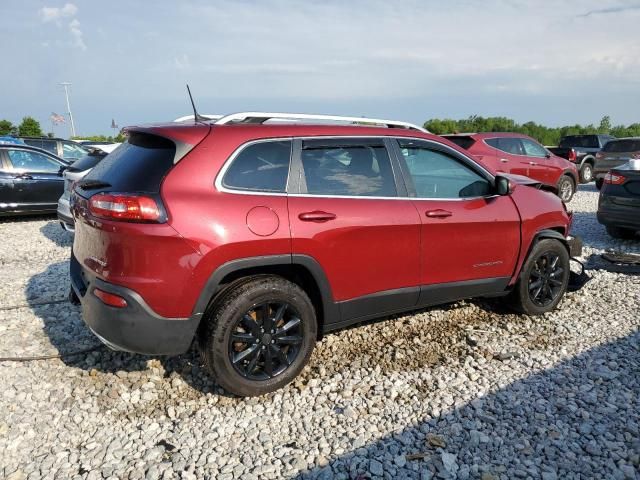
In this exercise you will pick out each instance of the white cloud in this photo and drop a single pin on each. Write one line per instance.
(68, 11)
(50, 14)
(76, 33)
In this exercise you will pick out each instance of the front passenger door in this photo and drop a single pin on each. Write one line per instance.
(470, 237)
(37, 181)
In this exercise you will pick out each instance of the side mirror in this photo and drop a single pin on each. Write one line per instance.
(503, 187)
(548, 154)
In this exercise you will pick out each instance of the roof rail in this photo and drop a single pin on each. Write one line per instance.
(187, 118)
(261, 117)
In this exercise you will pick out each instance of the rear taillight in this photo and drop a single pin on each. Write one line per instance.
(614, 179)
(110, 299)
(125, 207)
(572, 155)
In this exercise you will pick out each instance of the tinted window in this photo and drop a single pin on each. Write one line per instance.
(510, 145)
(32, 161)
(86, 163)
(533, 149)
(462, 141)
(353, 170)
(622, 146)
(263, 167)
(138, 165)
(48, 145)
(584, 141)
(438, 175)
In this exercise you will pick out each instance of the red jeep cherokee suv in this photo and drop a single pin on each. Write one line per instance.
(255, 238)
(521, 155)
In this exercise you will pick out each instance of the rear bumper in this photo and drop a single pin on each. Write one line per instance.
(135, 328)
(64, 214)
(623, 217)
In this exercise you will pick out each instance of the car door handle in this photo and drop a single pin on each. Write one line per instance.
(504, 160)
(23, 176)
(533, 163)
(317, 216)
(439, 213)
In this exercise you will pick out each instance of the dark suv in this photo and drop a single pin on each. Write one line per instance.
(254, 238)
(67, 149)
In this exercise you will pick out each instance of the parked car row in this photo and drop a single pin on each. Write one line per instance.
(581, 150)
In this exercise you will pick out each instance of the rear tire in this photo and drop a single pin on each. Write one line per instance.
(543, 279)
(566, 188)
(599, 183)
(621, 233)
(259, 336)
(586, 172)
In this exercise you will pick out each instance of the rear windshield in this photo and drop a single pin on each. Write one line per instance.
(461, 141)
(86, 163)
(138, 165)
(631, 145)
(584, 141)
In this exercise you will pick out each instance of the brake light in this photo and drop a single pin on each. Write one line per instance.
(124, 207)
(572, 155)
(614, 179)
(110, 299)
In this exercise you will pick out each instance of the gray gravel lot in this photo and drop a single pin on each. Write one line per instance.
(462, 391)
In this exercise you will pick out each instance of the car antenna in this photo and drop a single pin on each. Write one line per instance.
(196, 116)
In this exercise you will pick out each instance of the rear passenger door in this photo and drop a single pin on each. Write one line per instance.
(347, 212)
(511, 155)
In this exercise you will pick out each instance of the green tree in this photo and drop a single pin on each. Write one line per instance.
(6, 127)
(29, 127)
(605, 124)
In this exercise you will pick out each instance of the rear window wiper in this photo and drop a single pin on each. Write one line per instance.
(92, 184)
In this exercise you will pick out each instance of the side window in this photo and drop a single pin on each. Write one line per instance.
(72, 152)
(260, 167)
(438, 175)
(354, 170)
(492, 142)
(32, 161)
(510, 145)
(533, 149)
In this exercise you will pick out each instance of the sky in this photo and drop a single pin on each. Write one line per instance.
(553, 62)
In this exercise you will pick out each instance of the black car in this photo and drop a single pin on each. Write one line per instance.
(619, 203)
(67, 149)
(30, 180)
(582, 150)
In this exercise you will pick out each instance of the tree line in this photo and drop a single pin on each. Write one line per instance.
(545, 135)
(30, 127)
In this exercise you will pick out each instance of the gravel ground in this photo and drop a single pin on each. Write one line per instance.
(463, 391)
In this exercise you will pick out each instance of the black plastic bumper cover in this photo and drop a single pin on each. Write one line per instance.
(623, 217)
(135, 328)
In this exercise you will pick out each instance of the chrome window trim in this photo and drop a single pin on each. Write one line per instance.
(221, 188)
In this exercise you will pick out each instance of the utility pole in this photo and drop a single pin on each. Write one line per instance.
(66, 86)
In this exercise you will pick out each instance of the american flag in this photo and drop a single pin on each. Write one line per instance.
(56, 119)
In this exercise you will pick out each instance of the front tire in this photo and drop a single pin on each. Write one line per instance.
(259, 336)
(543, 280)
(586, 172)
(566, 188)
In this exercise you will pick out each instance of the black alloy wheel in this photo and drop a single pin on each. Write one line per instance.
(266, 340)
(546, 279)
